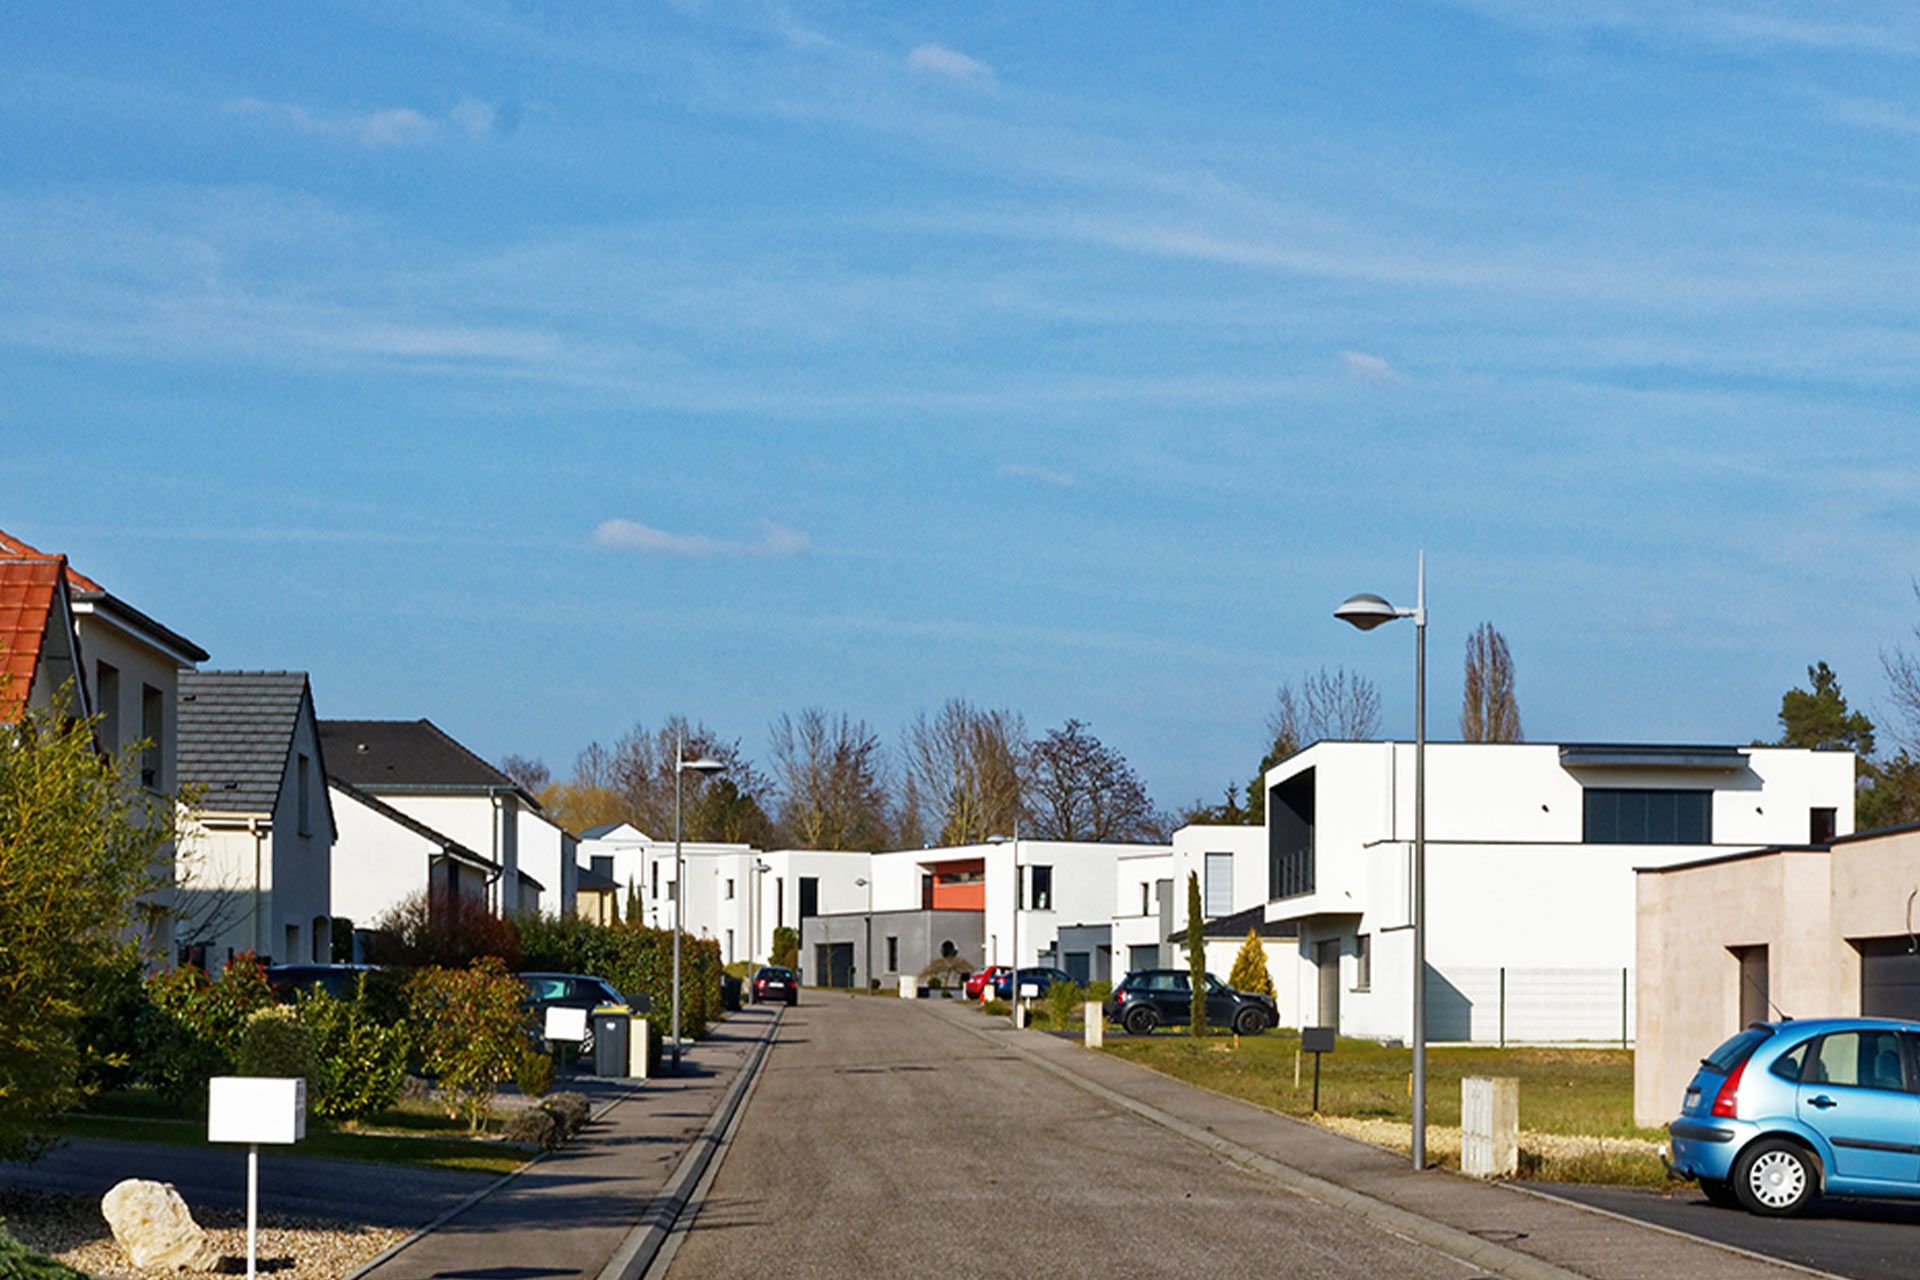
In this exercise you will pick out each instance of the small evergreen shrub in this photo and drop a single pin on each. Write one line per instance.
(571, 1111)
(533, 1127)
(1250, 967)
(1061, 1000)
(17, 1262)
(534, 1075)
(276, 1043)
(360, 1060)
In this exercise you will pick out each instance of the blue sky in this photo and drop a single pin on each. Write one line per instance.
(544, 369)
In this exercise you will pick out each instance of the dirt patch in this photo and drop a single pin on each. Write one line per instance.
(71, 1229)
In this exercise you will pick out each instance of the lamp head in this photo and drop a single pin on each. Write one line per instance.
(999, 839)
(1367, 611)
(704, 765)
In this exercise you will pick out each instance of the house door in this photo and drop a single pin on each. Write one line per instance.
(1326, 959)
(1889, 978)
(839, 968)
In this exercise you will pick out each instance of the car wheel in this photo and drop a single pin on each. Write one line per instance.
(1140, 1021)
(1719, 1193)
(1775, 1178)
(1249, 1022)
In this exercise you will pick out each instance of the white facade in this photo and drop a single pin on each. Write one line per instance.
(1530, 924)
(381, 859)
(1143, 912)
(546, 852)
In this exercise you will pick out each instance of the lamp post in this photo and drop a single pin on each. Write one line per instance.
(1013, 932)
(1367, 611)
(867, 954)
(682, 766)
(759, 869)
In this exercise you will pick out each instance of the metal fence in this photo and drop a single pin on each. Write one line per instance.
(1530, 1006)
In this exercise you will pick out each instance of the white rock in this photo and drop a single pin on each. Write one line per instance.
(151, 1222)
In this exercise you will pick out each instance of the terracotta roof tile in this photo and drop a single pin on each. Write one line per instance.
(12, 547)
(27, 588)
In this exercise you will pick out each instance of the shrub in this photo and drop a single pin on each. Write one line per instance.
(995, 1008)
(533, 1075)
(533, 1127)
(17, 1262)
(109, 1032)
(1062, 999)
(451, 932)
(193, 1025)
(945, 971)
(360, 1060)
(786, 947)
(275, 1043)
(1099, 991)
(471, 1029)
(1250, 967)
(570, 1110)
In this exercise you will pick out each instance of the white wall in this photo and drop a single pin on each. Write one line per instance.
(487, 823)
(1246, 846)
(377, 863)
(545, 852)
(302, 871)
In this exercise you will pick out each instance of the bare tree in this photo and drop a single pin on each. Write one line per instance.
(1078, 788)
(633, 781)
(1903, 679)
(1330, 704)
(831, 774)
(962, 771)
(530, 772)
(1489, 711)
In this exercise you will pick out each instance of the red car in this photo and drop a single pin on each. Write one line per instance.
(776, 982)
(982, 982)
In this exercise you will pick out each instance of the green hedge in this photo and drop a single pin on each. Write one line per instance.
(637, 960)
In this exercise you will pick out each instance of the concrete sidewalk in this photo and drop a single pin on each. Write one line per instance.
(568, 1214)
(1354, 1176)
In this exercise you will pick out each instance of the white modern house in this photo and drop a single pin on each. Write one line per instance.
(128, 668)
(382, 857)
(1531, 852)
(256, 848)
(1143, 911)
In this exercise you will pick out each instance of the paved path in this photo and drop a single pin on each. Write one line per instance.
(880, 1141)
(890, 1138)
(568, 1214)
(1867, 1240)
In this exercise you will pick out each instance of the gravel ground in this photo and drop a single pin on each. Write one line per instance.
(1444, 1140)
(70, 1228)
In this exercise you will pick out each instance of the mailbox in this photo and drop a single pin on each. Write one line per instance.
(254, 1109)
(1029, 991)
(566, 1024)
(1317, 1039)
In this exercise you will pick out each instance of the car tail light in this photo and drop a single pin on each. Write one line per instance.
(1726, 1103)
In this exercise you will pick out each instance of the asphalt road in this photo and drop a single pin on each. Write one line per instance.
(1868, 1240)
(882, 1142)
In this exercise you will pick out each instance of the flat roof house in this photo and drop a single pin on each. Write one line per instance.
(256, 853)
(1803, 931)
(1531, 854)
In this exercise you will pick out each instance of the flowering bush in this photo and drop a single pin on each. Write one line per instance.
(193, 1024)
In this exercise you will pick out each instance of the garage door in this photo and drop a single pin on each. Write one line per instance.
(1889, 978)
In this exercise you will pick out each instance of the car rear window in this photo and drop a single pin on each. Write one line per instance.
(1735, 1051)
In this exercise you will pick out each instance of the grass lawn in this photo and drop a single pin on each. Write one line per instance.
(1585, 1095)
(409, 1133)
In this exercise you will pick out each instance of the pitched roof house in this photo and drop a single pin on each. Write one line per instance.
(257, 847)
(39, 642)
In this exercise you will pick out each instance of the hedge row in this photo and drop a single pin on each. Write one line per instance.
(636, 959)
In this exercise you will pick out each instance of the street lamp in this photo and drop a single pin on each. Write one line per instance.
(867, 955)
(1367, 611)
(682, 766)
(759, 869)
(1013, 933)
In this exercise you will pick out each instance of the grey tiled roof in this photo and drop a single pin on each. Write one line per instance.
(406, 755)
(449, 846)
(236, 733)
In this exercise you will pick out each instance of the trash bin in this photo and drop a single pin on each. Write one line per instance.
(610, 1032)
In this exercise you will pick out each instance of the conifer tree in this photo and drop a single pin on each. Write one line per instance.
(1196, 957)
(1250, 967)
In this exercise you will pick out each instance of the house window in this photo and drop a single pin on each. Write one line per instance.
(729, 946)
(1627, 816)
(153, 711)
(893, 954)
(303, 783)
(656, 880)
(106, 684)
(780, 901)
(1042, 888)
(1219, 891)
(1146, 902)
(1822, 826)
(602, 864)
(809, 897)
(1290, 805)
(1363, 962)
(729, 891)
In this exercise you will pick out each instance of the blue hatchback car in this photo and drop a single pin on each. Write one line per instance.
(1787, 1111)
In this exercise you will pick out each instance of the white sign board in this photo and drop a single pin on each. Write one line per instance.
(1029, 991)
(566, 1024)
(256, 1109)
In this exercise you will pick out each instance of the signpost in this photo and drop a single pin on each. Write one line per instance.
(253, 1110)
(1316, 1041)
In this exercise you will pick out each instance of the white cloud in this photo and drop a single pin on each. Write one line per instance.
(1368, 368)
(938, 60)
(386, 127)
(776, 541)
(1045, 475)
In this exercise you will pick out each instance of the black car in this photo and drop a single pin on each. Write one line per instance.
(1146, 998)
(1039, 977)
(567, 991)
(776, 982)
(290, 981)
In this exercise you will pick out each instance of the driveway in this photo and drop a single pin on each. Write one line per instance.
(880, 1141)
(1866, 1240)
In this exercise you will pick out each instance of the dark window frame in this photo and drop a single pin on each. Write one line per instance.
(1646, 815)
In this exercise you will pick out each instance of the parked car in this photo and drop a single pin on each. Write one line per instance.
(1787, 1111)
(290, 981)
(567, 991)
(776, 982)
(1146, 998)
(1038, 976)
(977, 983)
